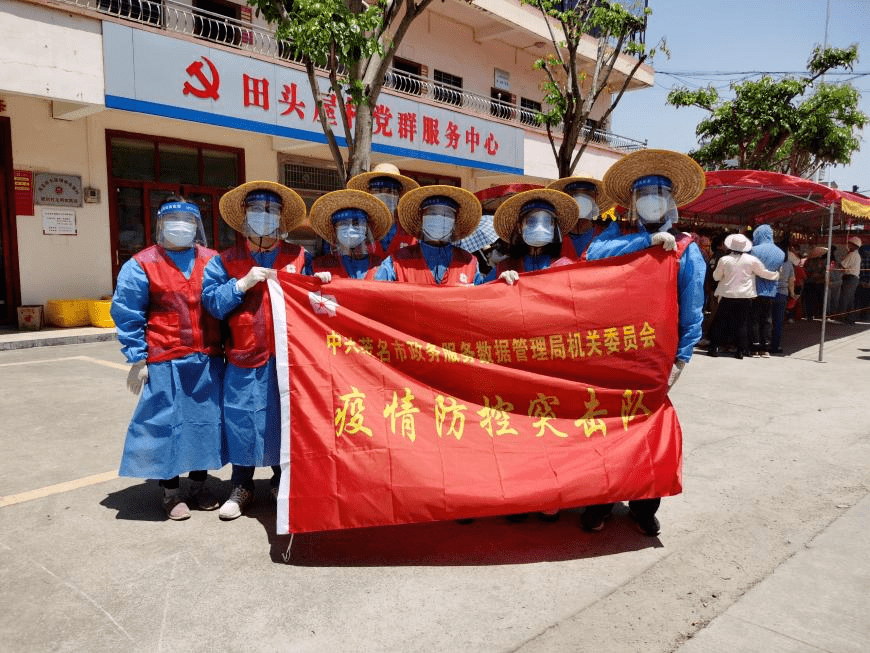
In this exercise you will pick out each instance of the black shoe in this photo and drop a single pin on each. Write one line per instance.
(646, 524)
(738, 354)
(713, 350)
(517, 518)
(592, 521)
(548, 517)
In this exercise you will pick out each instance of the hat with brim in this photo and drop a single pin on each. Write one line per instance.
(320, 216)
(738, 243)
(601, 198)
(855, 241)
(361, 181)
(686, 176)
(232, 205)
(817, 251)
(508, 214)
(467, 215)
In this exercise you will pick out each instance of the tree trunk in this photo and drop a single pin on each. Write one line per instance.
(361, 158)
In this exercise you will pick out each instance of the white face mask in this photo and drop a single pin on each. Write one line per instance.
(438, 223)
(262, 223)
(350, 235)
(179, 233)
(538, 229)
(588, 207)
(390, 198)
(651, 208)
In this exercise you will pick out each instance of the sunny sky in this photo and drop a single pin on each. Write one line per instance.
(741, 36)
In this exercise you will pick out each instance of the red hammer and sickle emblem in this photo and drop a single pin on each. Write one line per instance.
(209, 86)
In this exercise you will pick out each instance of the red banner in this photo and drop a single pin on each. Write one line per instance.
(406, 403)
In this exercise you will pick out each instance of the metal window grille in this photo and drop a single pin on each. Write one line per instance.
(302, 177)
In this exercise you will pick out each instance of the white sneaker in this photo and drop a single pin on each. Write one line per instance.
(233, 507)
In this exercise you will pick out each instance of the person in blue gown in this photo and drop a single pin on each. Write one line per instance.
(653, 184)
(235, 290)
(177, 363)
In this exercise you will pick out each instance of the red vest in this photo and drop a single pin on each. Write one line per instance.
(401, 240)
(332, 263)
(410, 266)
(177, 323)
(251, 341)
(683, 241)
(570, 252)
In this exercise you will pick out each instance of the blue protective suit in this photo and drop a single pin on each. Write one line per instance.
(772, 256)
(356, 268)
(251, 403)
(437, 258)
(690, 283)
(176, 426)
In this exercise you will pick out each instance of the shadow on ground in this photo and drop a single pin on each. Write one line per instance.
(489, 541)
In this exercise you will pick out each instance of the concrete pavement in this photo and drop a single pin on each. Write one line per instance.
(764, 551)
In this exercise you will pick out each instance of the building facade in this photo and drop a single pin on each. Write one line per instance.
(109, 106)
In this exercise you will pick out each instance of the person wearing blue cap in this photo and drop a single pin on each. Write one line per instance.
(349, 220)
(387, 184)
(591, 200)
(438, 216)
(653, 184)
(177, 363)
(234, 289)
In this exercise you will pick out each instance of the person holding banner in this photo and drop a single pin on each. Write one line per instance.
(177, 363)
(533, 222)
(387, 184)
(234, 289)
(591, 200)
(437, 216)
(653, 184)
(349, 220)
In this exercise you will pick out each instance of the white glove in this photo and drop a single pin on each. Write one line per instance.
(254, 276)
(510, 276)
(137, 377)
(676, 370)
(325, 277)
(666, 240)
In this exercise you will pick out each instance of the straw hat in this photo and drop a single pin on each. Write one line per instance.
(685, 174)
(738, 243)
(320, 216)
(602, 199)
(855, 241)
(508, 214)
(361, 181)
(232, 205)
(467, 216)
(817, 251)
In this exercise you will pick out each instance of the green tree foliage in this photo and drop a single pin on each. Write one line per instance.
(573, 83)
(771, 124)
(353, 43)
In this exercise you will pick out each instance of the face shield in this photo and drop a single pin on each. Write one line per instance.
(538, 220)
(179, 226)
(652, 203)
(438, 216)
(262, 214)
(585, 195)
(387, 190)
(351, 228)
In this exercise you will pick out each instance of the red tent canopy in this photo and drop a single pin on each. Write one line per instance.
(492, 198)
(751, 197)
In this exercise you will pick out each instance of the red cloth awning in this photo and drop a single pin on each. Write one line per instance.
(751, 197)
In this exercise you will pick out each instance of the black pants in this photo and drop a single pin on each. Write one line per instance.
(244, 476)
(731, 324)
(640, 507)
(172, 484)
(761, 323)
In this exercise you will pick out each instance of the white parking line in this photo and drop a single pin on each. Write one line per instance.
(42, 492)
(118, 366)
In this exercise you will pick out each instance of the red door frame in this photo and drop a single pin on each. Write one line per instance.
(8, 227)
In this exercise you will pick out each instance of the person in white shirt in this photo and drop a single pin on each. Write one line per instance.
(851, 264)
(735, 272)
